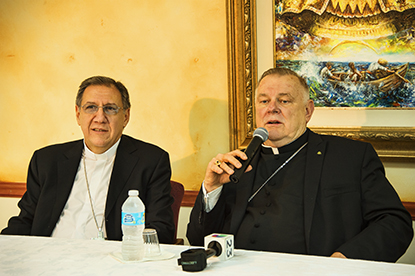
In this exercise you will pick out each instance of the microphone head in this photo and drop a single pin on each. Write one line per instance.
(223, 244)
(261, 133)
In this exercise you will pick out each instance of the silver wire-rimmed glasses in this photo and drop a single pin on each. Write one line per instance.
(110, 109)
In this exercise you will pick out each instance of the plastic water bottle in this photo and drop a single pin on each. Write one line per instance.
(132, 224)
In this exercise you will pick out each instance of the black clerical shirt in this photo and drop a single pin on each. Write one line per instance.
(274, 219)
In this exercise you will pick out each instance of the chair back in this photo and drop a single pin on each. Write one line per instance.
(177, 192)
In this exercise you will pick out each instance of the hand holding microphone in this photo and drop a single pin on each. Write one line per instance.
(224, 167)
(260, 136)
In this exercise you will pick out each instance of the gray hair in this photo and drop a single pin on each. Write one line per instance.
(101, 80)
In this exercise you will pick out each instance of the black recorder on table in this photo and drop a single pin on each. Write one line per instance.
(219, 245)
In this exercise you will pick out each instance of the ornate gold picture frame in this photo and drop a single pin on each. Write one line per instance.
(391, 143)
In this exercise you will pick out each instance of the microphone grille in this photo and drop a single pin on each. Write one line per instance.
(262, 133)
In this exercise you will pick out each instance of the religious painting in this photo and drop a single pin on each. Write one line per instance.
(392, 143)
(353, 53)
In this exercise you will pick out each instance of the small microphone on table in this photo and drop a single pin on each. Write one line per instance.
(260, 135)
(219, 245)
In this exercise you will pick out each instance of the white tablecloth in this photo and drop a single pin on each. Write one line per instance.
(21, 255)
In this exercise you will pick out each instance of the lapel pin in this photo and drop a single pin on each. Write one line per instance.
(319, 153)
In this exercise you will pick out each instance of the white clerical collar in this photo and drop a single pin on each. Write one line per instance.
(110, 153)
(274, 150)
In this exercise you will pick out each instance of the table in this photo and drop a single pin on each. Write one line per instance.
(22, 255)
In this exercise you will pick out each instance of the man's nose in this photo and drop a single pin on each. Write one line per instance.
(100, 115)
(273, 107)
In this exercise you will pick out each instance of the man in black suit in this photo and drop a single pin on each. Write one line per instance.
(331, 199)
(76, 189)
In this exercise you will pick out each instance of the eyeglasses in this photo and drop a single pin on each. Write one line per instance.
(110, 109)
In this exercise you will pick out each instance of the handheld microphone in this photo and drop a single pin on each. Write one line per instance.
(196, 259)
(219, 245)
(260, 136)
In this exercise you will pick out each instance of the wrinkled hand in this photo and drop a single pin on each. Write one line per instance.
(217, 173)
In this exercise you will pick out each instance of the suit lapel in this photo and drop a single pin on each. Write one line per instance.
(67, 169)
(314, 166)
(124, 164)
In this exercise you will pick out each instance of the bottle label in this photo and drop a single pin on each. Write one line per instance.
(133, 219)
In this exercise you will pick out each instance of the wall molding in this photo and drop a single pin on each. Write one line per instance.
(189, 198)
(12, 189)
(17, 189)
(410, 206)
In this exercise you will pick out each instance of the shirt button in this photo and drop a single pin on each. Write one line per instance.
(256, 225)
(268, 204)
(267, 192)
(262, 212)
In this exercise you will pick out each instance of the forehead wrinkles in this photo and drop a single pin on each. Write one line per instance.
(101, 94)
(276, 85)
(104, 104)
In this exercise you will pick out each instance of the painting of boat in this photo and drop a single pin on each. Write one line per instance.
(388, 82)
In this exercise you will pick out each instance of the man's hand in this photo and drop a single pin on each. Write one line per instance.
(221, 167)
(338, 255)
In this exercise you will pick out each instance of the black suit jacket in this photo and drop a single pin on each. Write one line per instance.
(138, 165)
(349, 205)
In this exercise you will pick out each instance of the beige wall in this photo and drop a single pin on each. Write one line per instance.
(171, 55)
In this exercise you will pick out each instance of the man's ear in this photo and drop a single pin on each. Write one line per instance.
(77, 114)
(309, 110)
(126, 117)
